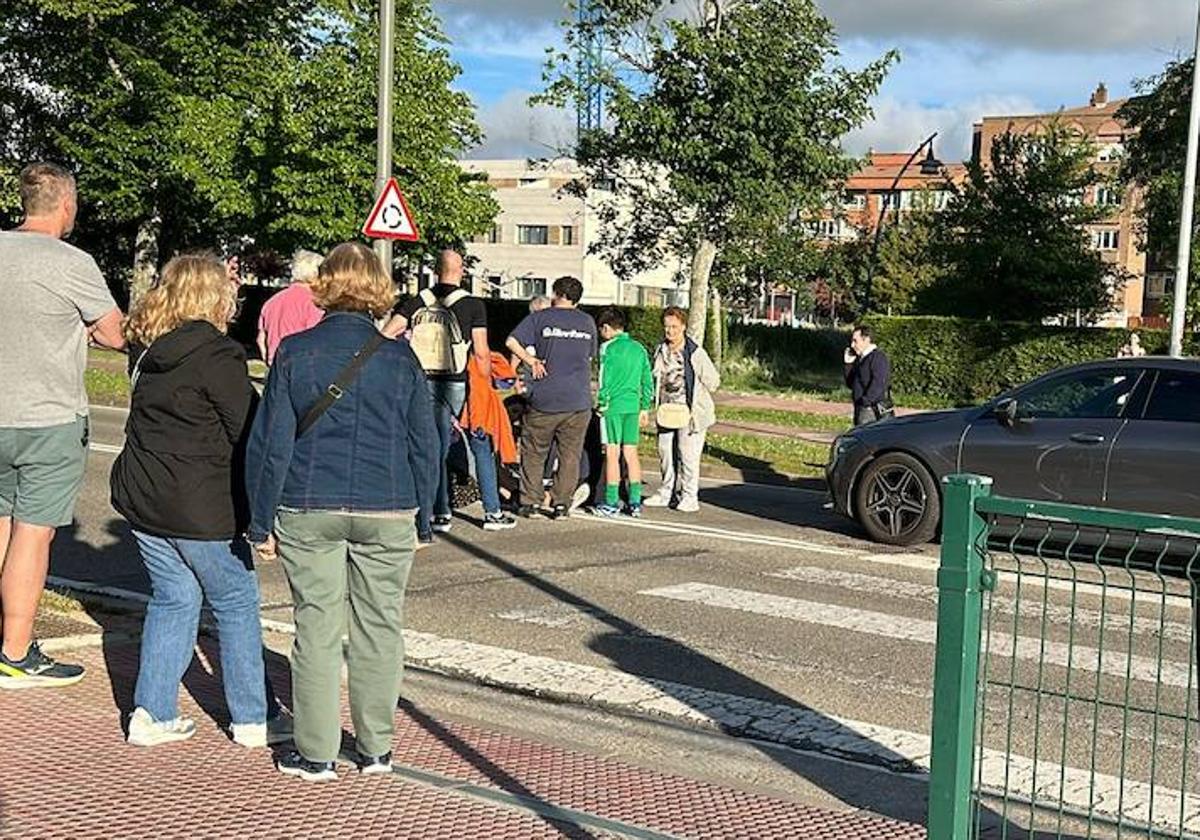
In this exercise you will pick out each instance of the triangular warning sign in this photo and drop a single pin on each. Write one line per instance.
(391, 218)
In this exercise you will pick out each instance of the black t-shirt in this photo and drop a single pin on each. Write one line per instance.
(470, 312)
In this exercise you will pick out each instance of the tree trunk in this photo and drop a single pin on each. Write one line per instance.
(145, 258)
(716, 330)
(702, 263)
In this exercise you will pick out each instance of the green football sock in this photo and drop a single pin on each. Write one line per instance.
(635, 492)
(612, 494)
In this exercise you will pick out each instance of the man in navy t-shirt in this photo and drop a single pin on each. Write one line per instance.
(560, 401)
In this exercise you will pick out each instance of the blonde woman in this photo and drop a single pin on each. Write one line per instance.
(177, 482)
(334, 485)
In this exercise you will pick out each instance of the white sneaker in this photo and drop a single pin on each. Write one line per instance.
(688, 506)
(145, 731)
(257, 736)
(656, 500)
(582, 493)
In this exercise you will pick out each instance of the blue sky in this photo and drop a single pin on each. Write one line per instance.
(960, 60)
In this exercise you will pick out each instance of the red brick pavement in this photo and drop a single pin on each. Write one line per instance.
(68, 774)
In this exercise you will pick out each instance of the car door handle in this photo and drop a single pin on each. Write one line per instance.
(1087, 437)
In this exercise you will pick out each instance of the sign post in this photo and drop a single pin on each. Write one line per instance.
(383, 150)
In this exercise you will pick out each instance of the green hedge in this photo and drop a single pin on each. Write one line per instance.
(960, 361)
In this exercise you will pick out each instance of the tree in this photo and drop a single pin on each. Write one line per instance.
(1154, 160)
(207, 122)
(906, 264)
(719, 121)
(1013, 239)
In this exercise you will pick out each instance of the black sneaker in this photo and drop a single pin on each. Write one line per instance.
(559, 512)
(530, 512)
(374, 765)
(36, 670)
(441, 524)
(498, 522)
(294, 764)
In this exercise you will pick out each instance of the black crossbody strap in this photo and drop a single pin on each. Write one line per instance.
(338, 387)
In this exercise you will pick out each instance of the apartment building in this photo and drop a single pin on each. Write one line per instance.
(545, 231)
(1116, 237)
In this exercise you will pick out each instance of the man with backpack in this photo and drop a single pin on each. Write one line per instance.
(446, 325)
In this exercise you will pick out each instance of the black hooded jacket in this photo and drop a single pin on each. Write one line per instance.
(180, 473)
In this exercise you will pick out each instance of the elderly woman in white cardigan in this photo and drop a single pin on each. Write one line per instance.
(684, 381)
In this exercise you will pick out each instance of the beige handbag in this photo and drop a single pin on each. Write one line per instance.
(672, 416)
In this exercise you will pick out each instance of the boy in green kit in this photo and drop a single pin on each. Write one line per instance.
(626, 395)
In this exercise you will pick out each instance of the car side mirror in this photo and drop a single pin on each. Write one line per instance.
(1006, 412)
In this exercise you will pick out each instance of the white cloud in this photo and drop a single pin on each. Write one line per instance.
(901, 125)
(514, 129)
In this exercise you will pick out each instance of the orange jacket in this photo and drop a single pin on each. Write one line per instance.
(484, 410)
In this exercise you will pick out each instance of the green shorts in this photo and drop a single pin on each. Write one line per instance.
(41, 472)
(621, 429)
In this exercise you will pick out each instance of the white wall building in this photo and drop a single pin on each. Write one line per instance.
(544, 232)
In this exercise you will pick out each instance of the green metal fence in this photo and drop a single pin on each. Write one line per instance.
(1065, 685)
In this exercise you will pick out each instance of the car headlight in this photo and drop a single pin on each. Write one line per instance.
(841, 446)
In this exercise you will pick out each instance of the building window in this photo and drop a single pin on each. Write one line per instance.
(1110, 152)
(531, 287)
(1108, 239)
(568, 235)
(898, 199)
(494, 236)
(533, 234)
(1108, 196)
(829, 228)
(1157, 285)
(855, 201)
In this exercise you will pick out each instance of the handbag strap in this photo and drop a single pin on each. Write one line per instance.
(338, 387)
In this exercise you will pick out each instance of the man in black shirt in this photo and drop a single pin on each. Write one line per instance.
(869, 377)
(447, 387)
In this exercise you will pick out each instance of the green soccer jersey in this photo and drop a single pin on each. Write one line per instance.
(626, 382)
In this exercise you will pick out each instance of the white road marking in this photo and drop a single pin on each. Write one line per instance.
(1080, 657)
(106, 448)
(928, 563)
(115, 409)
(1146, 619)
(729, 534)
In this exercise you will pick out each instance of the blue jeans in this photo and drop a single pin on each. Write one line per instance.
(448, 399)
(484, 457)
(182, 574)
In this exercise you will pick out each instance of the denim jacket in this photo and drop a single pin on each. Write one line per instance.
(371, 451)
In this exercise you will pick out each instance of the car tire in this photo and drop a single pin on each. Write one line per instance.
(896, 500)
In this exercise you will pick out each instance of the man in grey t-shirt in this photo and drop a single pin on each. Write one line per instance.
(54, 299)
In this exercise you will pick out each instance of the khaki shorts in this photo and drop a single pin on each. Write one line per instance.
(41, 472)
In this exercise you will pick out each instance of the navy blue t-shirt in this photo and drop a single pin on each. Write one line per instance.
(565, 339)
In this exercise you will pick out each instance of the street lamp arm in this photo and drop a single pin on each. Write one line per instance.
(883, 208)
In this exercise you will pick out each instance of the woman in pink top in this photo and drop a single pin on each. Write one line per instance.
(292, 310)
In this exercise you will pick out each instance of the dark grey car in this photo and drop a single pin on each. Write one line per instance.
(1120, 433)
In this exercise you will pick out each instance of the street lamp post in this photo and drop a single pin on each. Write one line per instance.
(383, 142)
(1184, 257)
(929, 166)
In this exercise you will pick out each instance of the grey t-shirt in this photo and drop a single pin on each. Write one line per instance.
(49, 291)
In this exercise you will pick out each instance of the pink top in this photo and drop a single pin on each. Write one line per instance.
(287, 313)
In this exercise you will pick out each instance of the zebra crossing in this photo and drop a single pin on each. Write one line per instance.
(824, 594)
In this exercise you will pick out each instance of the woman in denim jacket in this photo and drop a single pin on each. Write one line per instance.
(337, 504)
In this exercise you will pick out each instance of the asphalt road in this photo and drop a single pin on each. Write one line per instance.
(765, 595)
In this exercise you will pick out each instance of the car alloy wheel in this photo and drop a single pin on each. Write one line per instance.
(896, 500)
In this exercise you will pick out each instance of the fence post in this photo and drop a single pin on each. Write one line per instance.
(956, 667)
